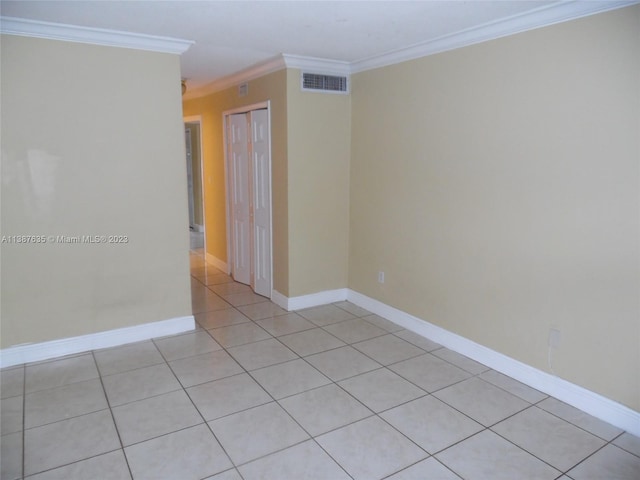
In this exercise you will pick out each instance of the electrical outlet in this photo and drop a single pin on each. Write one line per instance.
(555, 338)
(381, 277)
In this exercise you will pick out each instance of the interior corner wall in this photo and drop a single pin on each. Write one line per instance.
(319, 126)
(497, 187)
(211, 107)
(92, 145)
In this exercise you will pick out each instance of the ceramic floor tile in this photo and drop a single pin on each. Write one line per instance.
(628, 442)
(513, 386)
(549, 438)
(128, 357)
(381, 389)
(429, 469)
(354, 330)
(138, 384)
(323, 409)
(230, 288)
(285, 324)
(310, 341)
(155, 416)
(228, 475)
(388, 349)
(11, 455)
(429, 372)
(431, 423)
(227, 395)
(258, 311)
(303, 461)
(189, 454)
(383, 323)
(56, 373)
(110, 466)
(262, 354)
(460, 361)
(68, 441)
(11, 382)
(207, 302)
(187, 345)
(11, 415)
(579, 418)
(485, 403)
(486, 456)
(241, 334)
(611, 463)
(352, 309)
(289, 378)
(370, 449)
(269, 427)
(221, 318)
(210, 279)
(325, 315)
(205, 368)
(246, 298)
(418, 340)
(341, 363)
(48, 406)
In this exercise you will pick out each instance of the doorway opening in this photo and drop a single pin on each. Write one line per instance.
(193, 148)
(248, 170)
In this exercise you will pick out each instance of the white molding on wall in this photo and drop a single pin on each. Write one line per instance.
(255, 71)
(317, 65)
(592, 403)
(35, 352)
(540, 17)
(216, 262)
(93, 36)
(311, 300)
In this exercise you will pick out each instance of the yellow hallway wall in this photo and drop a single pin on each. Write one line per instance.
(497, 187)
(211, 107)
(92, 144)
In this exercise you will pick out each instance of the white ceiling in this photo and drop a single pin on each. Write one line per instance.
(231, 36)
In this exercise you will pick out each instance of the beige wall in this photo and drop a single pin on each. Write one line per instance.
(497, 187)
(103, 155)
(310, 179)
(319, 127)
(211, 107)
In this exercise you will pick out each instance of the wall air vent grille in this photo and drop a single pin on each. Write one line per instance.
(317, 82)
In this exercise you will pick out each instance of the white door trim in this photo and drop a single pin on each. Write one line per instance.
(225, 114)
(198, 119)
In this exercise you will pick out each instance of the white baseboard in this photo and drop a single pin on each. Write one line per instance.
(216, 262)
(311, 300)
(592, 403)
(35, 352)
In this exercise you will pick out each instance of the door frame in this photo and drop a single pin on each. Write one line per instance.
(198, 119)
(227, 174)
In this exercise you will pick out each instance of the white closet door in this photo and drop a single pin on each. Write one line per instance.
(261, 202)
(240, 198)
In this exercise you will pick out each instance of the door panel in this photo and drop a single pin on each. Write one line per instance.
(240, 198)
(261, 228)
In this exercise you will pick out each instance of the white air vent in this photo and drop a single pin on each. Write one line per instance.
(317, 82)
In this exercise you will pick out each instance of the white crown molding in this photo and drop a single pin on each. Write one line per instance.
(35, 352)
(541, 17)
(255, 71)
(93, 36)
(309, 64)
(318, 65)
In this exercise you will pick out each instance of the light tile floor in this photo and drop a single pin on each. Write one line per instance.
(256, 392)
